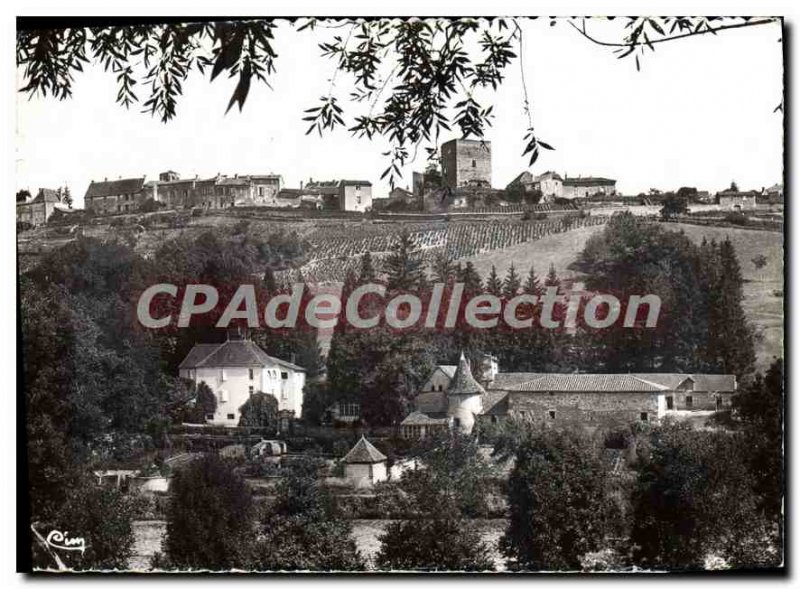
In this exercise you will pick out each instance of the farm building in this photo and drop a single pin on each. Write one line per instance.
(39, 209)
(111, 197)
(217, 192)
(733, 200)
(237, 368)
(559, 399)
(466, 162)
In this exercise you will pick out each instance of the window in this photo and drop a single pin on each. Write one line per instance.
(231, 416)
(285, 375)
(473, 163)
(552, 414)
(456, 422)
(689, 401)
(494, 418)
(440, 388)
(209, 416)
(250, 390)
(250, 373)
(223, 396)
(643, 416)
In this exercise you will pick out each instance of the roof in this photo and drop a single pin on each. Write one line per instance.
(417, 418)
(495, 403)
(112, 187)
(702, 382)
(588, 181)
(590, 383)
(355, 183)
(518, 179)
(363, 453)
(433, 402)
(293, 193)
(548, 175)
(506, 380)
(235, 181)
(463, 383)
(232, 353)
(47, 195)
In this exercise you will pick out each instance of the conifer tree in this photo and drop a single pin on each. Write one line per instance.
(532, 285)
(442, 268)
(367, 274)
(403, 271)
(493, 283)
(512, 283)
(552, 278)
(470, 277)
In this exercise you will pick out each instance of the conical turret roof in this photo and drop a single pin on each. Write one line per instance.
(463, 382)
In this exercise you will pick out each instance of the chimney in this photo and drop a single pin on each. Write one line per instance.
(105, 179)
(301, 185)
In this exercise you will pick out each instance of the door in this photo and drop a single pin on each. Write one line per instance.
(670, 404)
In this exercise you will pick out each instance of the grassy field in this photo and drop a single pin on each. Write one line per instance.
(763, 307)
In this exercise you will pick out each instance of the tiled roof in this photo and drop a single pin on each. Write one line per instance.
(506, 380)
(588, 181)
(364, 453)
(463, 383)
(47, 195)
(112, 187)
(417, 418)
(548, 176)
(702, 382)
(435, 402)
(495, 403)
(355, 183)
(232, 353)
(590, 383)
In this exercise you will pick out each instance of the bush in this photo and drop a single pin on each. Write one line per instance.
(559, 502)
(209, 519)
(736, 218)
(23, 226)
(102, 516)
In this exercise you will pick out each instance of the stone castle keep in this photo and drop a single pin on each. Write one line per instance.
(466, 162)
(454, 397)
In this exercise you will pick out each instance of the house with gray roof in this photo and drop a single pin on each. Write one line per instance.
(238, 368)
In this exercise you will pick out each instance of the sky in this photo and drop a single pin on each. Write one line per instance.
(699, 113)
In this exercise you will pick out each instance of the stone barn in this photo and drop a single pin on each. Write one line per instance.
(559, 399)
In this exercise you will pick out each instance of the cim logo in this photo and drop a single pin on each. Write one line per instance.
(59, 540)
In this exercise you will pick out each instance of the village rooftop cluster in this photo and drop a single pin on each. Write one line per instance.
(462, 181)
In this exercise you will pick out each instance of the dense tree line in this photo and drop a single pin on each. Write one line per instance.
(100, 388)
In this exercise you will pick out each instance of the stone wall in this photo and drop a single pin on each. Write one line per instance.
(585, 407)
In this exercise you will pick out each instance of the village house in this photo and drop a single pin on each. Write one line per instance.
(461, 400)
(588, 186)
(355, 195)
(552, 185)
(112, 197)
(38, 210)
(217, 192)
(237, 368)
(734, 200)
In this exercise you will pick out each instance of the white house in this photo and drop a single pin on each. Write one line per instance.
(236, 369)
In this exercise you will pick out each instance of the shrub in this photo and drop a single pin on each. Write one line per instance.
(209, 519)
(736, 218)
